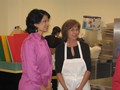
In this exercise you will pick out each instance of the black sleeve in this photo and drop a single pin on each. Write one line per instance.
(59, 58)
(86, 55)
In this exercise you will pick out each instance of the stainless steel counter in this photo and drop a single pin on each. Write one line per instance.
(101, 84)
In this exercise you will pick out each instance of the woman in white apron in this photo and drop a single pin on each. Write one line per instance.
(74, 74)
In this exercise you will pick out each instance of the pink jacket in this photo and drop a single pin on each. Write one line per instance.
(36, 63)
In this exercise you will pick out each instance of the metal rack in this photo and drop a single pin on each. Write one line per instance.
(107, 41)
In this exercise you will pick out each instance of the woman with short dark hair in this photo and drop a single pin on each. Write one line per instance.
(35, 53)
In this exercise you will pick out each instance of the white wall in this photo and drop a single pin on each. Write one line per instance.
(3, 17)
(15, 11)
(14, 14)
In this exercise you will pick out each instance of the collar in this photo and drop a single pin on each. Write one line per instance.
(37, 36)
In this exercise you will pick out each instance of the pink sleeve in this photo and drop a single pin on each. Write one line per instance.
(29, 61)
(116, 76)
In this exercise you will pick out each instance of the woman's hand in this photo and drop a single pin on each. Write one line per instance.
(42, 88)
(49, 87)
(46, 88)
(65, 88)
(78, 88)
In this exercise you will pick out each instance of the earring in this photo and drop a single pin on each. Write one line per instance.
(36, 30)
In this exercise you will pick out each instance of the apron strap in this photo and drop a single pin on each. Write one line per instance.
(65, 58)
(80, 49)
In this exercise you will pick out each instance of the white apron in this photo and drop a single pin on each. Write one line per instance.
(73, 71)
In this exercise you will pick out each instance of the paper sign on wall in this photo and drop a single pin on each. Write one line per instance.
(91, 23)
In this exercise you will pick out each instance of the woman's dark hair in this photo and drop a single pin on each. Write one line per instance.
(34, 17)
(67, 26)
(55, 30)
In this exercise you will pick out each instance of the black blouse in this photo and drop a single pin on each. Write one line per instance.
(59, 55)
(53, 41)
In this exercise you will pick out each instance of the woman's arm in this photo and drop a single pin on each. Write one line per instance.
(59, 59)
(29, 61)
(61, 80)
(84, 80)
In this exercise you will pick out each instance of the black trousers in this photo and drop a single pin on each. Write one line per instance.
(54, 81)
(54, 84)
